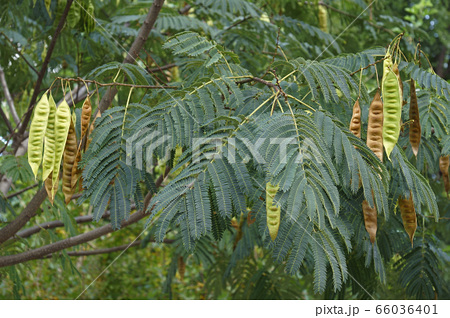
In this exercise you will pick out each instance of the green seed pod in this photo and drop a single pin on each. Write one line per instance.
(62, 124)
(392, 106)
(37, 132)
(49, 141)
(273, 211)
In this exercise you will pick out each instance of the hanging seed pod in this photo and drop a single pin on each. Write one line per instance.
(408, 215)
(70, 151)
(415, 131)
(86, 111)
(392, 105)
(443, 167)
(51, 187)
(355, 123)
(49, 141)
(375, 127)
(181, 267)
(403, 102)
(273, 211)
(75, 171)
(62, 124)
(397, 73)
(37, 132)
(323, 18)
(370, 220)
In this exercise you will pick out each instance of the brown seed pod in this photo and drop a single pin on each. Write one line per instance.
(75, 171)
(375, 126)
(48, 187)
(408, 215)
(70, 151)
(85, 116)
(415, 131)
(355, 123)
(397, 73)
(181, 267)
(443, 167)
(370, 220)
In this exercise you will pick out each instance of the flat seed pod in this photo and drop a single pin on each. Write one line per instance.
(37, 131)
(181, 267)
(370, 220)
(392, 106)
(415, 131)
(400, 82)
(375, 127)
(443, 167)
(323, 18)
(70, 151)
(355, 123)
(51, 190)
(86, 111)
(49, 141)
(62, 124)
(408, 215)
(75, 171)
(273, 211)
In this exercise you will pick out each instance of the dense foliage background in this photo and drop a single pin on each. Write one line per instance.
(208, 54)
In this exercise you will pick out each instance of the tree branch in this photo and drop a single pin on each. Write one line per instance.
(256, 79)
(81, 238)
(54, 224)
(20, 53)
(79, 79)
(6, 120)
(43, 70)
(8, 97)
(134, 50)
(22, 191)
(162, 68)
(66, 243)
(20, 221)
(108, 250)
(349, 15)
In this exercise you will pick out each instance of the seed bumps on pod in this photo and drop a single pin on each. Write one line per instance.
(392, 105)
(37, 132)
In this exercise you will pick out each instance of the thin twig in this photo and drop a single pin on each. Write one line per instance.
(257, 79)
(22, 191)
(349, 15)
(55, 224)
(8, 125)
(20, 53)
(237, 23)
(109, 250)
(79, 79)
(366, 67)
(8, 97)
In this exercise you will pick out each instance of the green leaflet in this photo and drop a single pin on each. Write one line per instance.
(74, 15)
(49, 141)
(392, 103)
